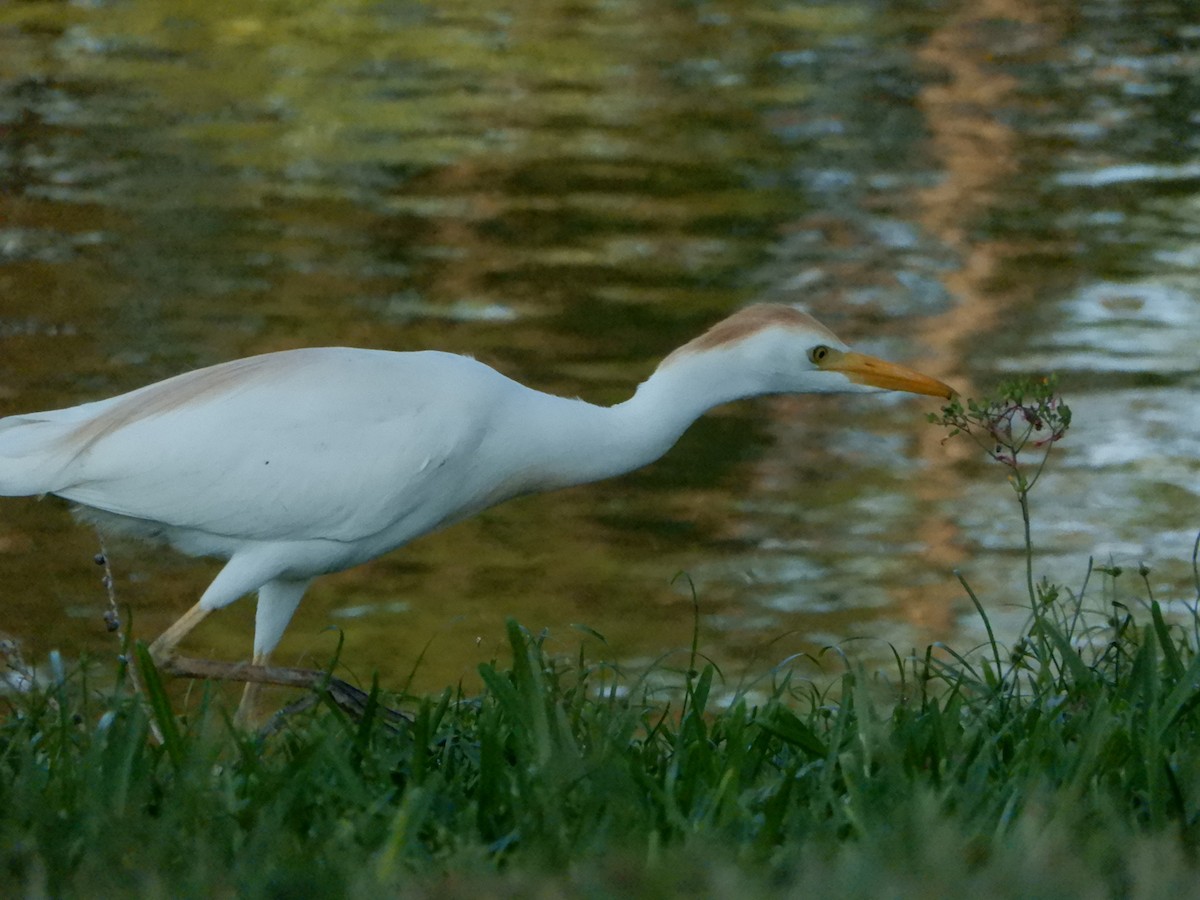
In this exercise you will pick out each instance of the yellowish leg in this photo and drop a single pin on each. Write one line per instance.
(247, 710)
(163, 648)
(163, 652)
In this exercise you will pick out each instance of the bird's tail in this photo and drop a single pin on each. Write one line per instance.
(31, 453)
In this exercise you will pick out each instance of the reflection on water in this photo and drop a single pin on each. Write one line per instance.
(569, 193)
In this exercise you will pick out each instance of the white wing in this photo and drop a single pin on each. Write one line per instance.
(334, 444)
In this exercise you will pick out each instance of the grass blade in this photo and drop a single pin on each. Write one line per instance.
(160, 706)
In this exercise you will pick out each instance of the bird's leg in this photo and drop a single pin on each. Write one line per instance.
(162, 651)
(247, 708)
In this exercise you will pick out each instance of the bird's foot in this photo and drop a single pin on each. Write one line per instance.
(164, 648)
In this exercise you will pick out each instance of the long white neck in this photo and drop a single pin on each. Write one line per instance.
(595, 442)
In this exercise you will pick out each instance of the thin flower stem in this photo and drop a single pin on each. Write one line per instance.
(1023, 498)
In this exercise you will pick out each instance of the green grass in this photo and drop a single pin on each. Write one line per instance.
(1073, 772)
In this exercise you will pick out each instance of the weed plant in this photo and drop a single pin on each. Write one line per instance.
(1067, 764)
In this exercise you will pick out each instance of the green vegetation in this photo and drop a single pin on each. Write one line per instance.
(1026, 417)
(1065, 765)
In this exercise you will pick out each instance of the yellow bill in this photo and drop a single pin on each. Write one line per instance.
(875, 372)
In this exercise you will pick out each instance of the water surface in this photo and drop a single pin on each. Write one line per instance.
(569, 191)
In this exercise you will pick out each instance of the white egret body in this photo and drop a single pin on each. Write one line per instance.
(294, 464)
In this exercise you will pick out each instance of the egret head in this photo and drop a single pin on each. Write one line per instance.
(788, 351)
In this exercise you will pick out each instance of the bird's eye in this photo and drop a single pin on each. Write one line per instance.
(819, 353)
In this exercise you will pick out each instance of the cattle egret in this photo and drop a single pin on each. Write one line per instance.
(290, 465)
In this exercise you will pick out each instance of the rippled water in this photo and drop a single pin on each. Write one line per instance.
(568, 191)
